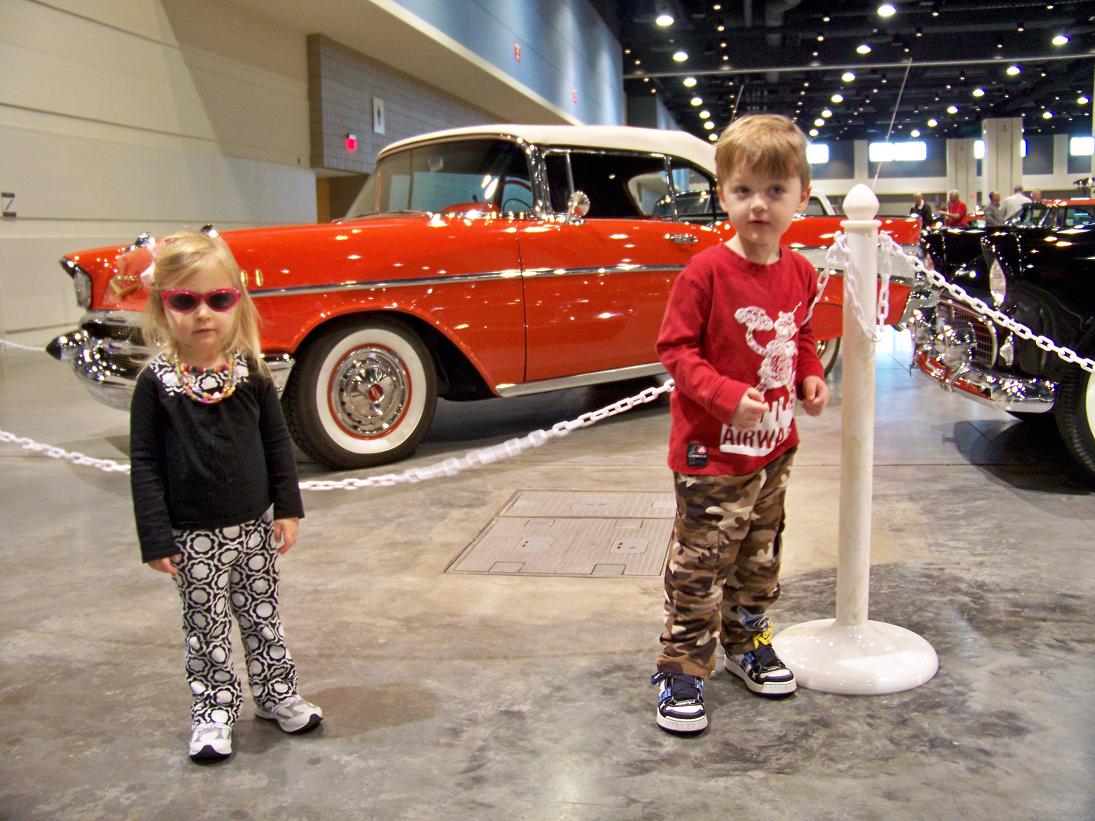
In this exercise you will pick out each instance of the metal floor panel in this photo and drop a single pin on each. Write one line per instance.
(567, 533)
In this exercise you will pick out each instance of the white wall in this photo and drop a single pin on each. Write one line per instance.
(122, 116)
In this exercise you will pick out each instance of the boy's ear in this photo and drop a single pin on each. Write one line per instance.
(805, 199)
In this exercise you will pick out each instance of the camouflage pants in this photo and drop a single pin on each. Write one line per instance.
(723, 569)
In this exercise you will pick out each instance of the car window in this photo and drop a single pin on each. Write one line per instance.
(694, 192)
(1077, 216)
(618, 185)
(1031, 215)
(441, 176)
(814, 208)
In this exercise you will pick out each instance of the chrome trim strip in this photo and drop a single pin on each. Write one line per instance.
(999, 391)
(580, 380)
(510, 273)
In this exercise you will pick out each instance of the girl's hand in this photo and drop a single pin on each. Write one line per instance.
(815, 395)
(749, 410)
(285, 533)
(166, 565)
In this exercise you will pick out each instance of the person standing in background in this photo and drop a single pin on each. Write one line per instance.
(955, 214)
(1016, 201)
(994, 211)
(923, 210)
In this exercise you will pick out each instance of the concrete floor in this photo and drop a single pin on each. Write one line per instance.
(475, 696)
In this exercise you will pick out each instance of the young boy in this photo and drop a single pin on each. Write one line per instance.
(735, 339)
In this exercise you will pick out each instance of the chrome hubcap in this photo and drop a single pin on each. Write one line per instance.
(369, 391)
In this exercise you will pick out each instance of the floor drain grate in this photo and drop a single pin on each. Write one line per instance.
(569, 533)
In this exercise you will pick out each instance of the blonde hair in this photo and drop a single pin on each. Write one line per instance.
(178, 257)
(769, 144)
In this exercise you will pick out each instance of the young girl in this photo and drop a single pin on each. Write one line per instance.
(215, 487)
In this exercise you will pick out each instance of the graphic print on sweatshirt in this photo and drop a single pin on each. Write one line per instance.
(776, 373)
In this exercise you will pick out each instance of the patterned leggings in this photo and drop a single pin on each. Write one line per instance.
(723, 568)
(225, 572)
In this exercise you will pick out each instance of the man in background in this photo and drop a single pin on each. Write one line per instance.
(1016, 201)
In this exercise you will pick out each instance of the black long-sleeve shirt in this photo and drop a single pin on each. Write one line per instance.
(201, 467)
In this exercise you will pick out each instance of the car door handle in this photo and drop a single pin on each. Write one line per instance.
(683, 239)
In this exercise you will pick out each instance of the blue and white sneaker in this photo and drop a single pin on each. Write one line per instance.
(680, 703)
(761, 669)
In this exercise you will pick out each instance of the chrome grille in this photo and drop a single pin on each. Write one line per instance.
(950, 312)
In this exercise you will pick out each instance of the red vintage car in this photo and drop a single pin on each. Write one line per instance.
(477, 262)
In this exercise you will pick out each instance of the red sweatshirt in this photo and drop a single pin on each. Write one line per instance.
(730, 325)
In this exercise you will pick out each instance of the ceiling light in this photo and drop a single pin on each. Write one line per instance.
(919, 32)
(689, 82)
(708, 124)
(837, 98)
(820, 37)
(1047, 115)
(863, 48)
(664, 20)
(721, 28)
(712, 137)
(978, 92)
(1060, 39)
(1020, 28)
(932, 123)
(847, 77)
(826, 113)
(813, 132)
(819, 122)
(1082, 100)
(1013, 70)
(705, 114)
(717, 7)
(887, 10)
(680, 56)
(696, 101)
(915, 132)
(952, 109)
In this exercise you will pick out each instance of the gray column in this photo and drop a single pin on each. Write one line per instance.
(962, 170)
(1002, 168)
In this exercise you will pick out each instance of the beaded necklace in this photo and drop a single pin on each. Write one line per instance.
(189, 376)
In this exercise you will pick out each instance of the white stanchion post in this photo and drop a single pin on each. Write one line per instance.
(851, 654)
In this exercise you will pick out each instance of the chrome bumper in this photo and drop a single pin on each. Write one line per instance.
(107, 353)
(959, 354)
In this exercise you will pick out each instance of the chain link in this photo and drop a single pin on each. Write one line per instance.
(448, 467)
(981, 307)
(840, 256)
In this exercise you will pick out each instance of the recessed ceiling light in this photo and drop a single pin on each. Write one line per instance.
(664, 20)
(887, 10)
(819, 122)
(1020, 28)
(847, 77)
(978, 92)
(1047, 115)
(689, 82)
(915, 132)
(696, 101)
(837, 98)
(708, 124)
(863, 48)
(1082, 100)
(826, 113)
(705, 114)
(680, 56)
(1060, 39)
(813, 132)
(932, 123)
(712, 137)
(1013, 70)
(820, 37)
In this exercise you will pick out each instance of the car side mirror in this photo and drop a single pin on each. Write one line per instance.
(577, 205)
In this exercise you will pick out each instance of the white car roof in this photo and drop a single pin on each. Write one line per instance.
(628, 138)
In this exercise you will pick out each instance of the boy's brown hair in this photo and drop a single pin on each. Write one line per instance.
(767, 144)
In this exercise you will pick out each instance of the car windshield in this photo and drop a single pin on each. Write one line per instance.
(1030, 216)
(446, 176)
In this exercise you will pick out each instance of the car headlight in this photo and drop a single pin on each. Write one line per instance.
(998, 283)
(81, 282)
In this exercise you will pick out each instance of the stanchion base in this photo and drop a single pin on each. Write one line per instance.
(866, 659)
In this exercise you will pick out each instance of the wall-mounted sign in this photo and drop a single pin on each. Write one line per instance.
(378, 115)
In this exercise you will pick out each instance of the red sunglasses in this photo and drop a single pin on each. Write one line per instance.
(182, 301)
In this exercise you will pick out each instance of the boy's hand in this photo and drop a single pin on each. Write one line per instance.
(285, 533)
(749, 410)
(166, 565)
(815, 395)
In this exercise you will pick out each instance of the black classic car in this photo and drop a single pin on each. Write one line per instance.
(1038, 270)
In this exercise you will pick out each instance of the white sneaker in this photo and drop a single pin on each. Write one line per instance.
(210, 742)
(294, 715)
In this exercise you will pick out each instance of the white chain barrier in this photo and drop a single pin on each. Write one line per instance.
(891, 249)
(448, 467)
(840, 256)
